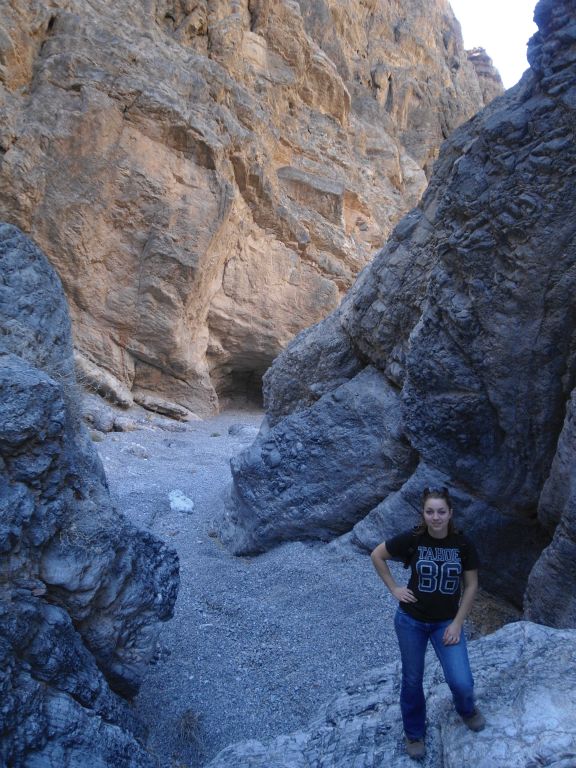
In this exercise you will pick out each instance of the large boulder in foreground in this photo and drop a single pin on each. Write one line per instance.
(525, 677)
(57, 707)
(82, 591)
(467, 313)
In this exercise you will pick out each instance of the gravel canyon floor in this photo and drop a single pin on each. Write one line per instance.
(257, 644)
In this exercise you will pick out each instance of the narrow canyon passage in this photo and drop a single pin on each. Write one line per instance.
(257, 644)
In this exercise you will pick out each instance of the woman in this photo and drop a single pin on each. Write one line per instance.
(432, 607)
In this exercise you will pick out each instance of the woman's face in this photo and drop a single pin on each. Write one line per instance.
(436, 515)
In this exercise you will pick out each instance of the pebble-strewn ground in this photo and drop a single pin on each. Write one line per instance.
(257, 644)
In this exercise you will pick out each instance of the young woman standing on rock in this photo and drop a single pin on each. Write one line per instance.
(432, 607)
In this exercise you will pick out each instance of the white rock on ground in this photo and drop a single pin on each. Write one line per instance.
(179, 502)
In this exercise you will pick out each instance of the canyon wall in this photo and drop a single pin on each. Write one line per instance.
(209, 177)
(451, 360)
(82, 591)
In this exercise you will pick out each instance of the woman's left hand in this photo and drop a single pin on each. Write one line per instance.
(452, 634)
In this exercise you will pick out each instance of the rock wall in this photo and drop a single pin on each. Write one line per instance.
(551, 591)
(82, 591)
(525, 685)
(467, 313)
(488, 77)
(209, 177)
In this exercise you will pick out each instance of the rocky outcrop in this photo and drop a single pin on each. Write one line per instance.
(209, 177)
(525, 685)
(488, 76)
(57, 708)
(82, 591)
(551, 592)
(467, 314)
(354, 432)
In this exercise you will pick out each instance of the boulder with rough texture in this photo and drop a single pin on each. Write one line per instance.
(352, 450)
(551, 591)
(467, 313)
(57, 708)
(209, 177)
(488, 77)
(82, 591)
(525, 677)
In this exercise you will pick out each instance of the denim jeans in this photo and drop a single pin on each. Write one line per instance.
(413, 636)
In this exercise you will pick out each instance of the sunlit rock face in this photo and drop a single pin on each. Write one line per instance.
(467, 313)
(209, 177)
(488, 77)
(82, 591)
(525, 685)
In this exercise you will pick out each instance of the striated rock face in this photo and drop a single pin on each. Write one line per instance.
(525, 685)
(488, 76)
(468, 315)
(82, 591)
(209, 177)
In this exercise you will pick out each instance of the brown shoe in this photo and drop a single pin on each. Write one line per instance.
(476, 721)
(415, 748)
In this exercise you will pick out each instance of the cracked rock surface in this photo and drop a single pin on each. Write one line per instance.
(467, 315)
(82, 590)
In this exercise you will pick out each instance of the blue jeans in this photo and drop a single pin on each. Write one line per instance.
(413, 636)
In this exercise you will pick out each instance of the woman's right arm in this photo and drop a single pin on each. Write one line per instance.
(379, 557)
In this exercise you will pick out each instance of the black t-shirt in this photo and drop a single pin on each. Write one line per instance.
(436, 568)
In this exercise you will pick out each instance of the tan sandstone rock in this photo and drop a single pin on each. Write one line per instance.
(208, 177)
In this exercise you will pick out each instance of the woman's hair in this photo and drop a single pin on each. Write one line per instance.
(436, 493)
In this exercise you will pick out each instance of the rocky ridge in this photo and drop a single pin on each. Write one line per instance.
(466, 317)
(209, 177)
(525, 684)
(82, 590)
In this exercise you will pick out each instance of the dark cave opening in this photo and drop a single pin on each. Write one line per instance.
(240, 387)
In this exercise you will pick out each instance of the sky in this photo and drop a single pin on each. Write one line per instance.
(502, 27)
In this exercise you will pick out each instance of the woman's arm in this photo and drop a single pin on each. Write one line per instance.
(452, 632)
(379, 557)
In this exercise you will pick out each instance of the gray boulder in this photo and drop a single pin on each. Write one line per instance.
(90, 587)
(318, 360)
(467, 315)
(351, 452)
(525, 677)
(57, 708)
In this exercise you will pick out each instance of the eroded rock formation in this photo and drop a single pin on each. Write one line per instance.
(526, 686)
(551, 592)
(467, 313)
(208, 177)
(82, 591)
(488, 77)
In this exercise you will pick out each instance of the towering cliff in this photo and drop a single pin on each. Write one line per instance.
(209, 177)
(451, 361)
(82, 591)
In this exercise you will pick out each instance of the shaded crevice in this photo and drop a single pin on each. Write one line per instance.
(389, 96)
(240, 383)
(48, 33)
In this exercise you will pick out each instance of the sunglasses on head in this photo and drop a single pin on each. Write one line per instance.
(443, 492)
